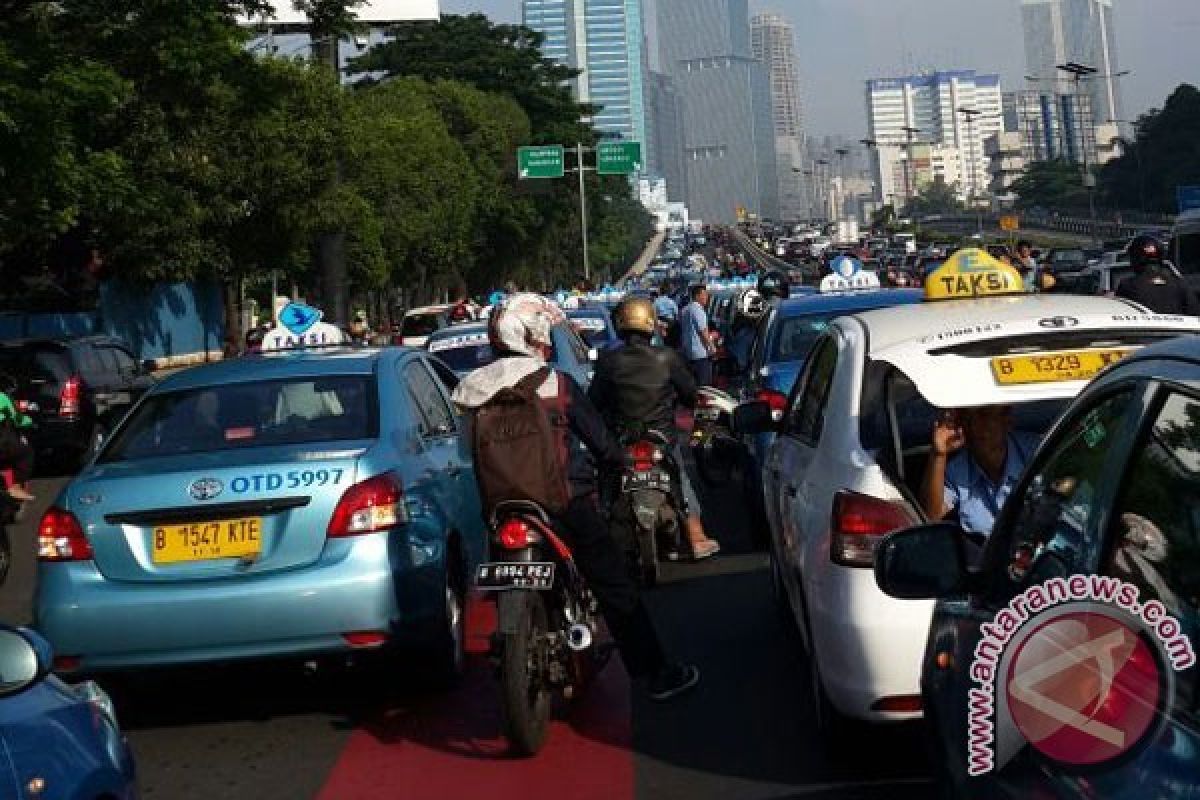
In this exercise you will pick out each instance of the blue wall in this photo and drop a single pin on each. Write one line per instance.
(166, 322)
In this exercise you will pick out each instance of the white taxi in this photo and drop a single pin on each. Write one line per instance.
(847, 465)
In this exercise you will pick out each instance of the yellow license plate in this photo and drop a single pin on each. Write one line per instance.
(204, 541)
(1071, 365)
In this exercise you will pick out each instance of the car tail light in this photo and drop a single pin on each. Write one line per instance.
(60, 538)
(776, 400)
(365, 638)
(900, 702)
(859, 524)
(372, 505)
(515, 534)
(69, 397)
(643, 456)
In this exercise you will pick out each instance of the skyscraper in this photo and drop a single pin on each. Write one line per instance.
(605, 39)
(1061, 31)
(772, 43)
(728, 136)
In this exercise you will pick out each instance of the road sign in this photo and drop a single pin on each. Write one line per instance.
(1010, 222)
(1189, 197)
(618, 158)
(545, 161)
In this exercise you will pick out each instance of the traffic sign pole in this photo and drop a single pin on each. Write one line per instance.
(587, 268)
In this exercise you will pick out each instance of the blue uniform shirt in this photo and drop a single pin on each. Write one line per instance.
(666, 308)
(969, 490)
(694, 332)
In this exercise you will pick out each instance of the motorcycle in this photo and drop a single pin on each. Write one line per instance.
(547, 620)
(714, 446)
(646, 508)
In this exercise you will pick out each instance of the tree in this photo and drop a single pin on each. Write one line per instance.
(936, 198)
(1164, 154)
(1054, 184)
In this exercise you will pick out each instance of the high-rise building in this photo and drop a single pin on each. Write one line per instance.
(927, 110)
(728, 136)
(605, 39)
(772, 42)
(1081, 31)
(664, 123)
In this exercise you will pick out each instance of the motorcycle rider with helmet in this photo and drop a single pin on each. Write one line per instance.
(773, 285)
(1154, 284)
(638, 386)
(519, 332)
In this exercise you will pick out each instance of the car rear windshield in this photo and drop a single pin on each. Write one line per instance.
(419, 324)
(796, 337)
(242, 415)
(35, 363)
(592, 330)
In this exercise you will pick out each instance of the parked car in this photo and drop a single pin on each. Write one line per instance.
(75, 390)
(1094, 555)
(300, 503)
(419, 323)
(63, 738)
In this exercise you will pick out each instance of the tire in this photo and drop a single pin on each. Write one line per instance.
(524, 698)
(714, 470)
(648, 557)
(447, 656)
(834, 729)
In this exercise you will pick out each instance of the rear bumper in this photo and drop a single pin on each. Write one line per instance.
(353, 587)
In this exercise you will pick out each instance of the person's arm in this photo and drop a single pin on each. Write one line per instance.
(589, 426)
(683, 380)
(947, 438)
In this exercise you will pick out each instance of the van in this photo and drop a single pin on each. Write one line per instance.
(1185, 246)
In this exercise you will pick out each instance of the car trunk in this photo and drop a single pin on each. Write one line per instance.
(213, 515)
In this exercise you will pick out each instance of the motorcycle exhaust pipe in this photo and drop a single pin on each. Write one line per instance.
(579, 637)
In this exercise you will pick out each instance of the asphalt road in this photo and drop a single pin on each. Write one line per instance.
(279, 731)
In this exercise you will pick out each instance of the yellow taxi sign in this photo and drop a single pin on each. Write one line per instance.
(972, 273)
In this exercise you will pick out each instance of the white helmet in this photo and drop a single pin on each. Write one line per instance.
(752, 304)
(522, 322)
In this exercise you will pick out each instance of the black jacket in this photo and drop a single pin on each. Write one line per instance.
(640, 385)
(1161, 291)
(588, 441)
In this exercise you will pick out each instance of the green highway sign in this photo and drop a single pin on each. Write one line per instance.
(545, 161)
(618, 158)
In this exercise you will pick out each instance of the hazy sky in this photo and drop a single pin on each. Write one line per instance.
(841, 43)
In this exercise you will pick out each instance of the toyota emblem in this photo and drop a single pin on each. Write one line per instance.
(1058, 322)
(205, 488)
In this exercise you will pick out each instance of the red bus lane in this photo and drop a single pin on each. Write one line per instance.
(450, 746)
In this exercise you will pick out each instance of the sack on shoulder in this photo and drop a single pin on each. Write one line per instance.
(516, 447)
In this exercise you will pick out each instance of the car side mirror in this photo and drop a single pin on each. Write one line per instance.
(754, 416)
(25, 658)
(922, 563)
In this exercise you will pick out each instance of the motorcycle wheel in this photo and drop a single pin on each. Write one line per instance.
(5, 554)
(648, 555)
(525, 696)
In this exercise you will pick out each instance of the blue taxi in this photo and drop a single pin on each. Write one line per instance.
(289, 504)
(785, 336)
(465, 348)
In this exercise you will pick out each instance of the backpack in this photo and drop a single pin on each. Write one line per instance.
(519, 447)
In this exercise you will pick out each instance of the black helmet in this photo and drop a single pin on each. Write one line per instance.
(1144, 251)
(773, 284)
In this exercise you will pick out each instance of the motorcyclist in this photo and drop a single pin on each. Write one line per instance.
(638, 386)
(15, 452)
(773, 285)
(1154, 284)
(519, 332)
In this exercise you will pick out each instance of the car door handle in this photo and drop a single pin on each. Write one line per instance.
(791, 491)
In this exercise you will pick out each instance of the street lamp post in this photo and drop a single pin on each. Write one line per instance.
(970, 114)
(1078, 73)
(909, 176)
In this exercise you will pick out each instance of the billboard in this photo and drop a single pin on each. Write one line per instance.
(372, 11)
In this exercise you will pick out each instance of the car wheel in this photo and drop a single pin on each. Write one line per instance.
(448, 653)
(833, 727)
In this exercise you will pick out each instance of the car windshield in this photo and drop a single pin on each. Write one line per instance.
(795, 337)
(466, 357)
(243, 415)
(420, 324)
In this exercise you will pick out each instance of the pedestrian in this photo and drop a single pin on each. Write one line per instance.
(695, 340)
(1027, 264)
(1154, 284)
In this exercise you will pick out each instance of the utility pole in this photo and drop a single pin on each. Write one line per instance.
(970, 114)
(1078, 73)
(583, 221)
(331, 246)
(909, 176)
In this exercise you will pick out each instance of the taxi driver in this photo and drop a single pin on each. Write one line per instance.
(974, 463)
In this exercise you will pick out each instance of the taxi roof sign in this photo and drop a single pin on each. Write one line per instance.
(847, 274)
(973, 273)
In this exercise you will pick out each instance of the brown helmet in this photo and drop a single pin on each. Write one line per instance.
(635, 315)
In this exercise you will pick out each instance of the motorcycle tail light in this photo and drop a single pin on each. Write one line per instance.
(515, 534)
(643, 456)
(61, 538)
(859, 524)
(776, 400)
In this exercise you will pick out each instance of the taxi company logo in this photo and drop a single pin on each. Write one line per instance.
(1083, 685)
(205, 488)
(1058, 322)
(298, 318)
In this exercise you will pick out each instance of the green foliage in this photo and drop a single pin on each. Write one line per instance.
(1164, 154)
(1054, 184)
(937, 197)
